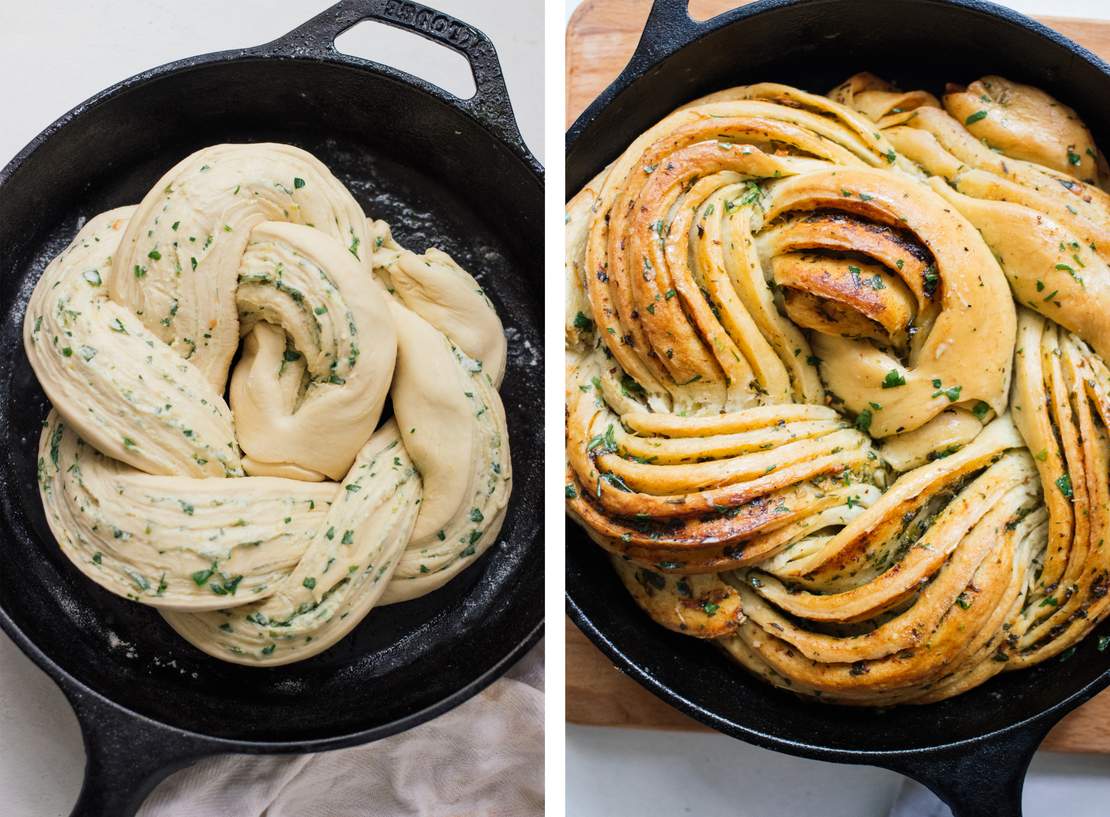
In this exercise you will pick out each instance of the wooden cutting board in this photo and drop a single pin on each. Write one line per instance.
(601, 37)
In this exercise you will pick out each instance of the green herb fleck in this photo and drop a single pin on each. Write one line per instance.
(1064, 484)
(893, 379)
(863, 420)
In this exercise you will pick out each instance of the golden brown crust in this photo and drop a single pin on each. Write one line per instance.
(794, 427)
(700, 605)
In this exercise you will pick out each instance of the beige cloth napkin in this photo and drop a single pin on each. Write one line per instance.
(484, 758)
(914, 800)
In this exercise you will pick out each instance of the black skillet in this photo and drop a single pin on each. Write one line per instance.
(444, 171)
(973, 750)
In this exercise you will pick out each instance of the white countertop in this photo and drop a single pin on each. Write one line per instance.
(53, 56)
(616, 772)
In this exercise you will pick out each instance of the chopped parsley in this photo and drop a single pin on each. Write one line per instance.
(201, 577)
(952, 392)
(893, 379)
(931, 278)
(863, 420)
(1064, 484)
(583, 323)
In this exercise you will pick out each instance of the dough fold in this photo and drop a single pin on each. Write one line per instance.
(265, 528)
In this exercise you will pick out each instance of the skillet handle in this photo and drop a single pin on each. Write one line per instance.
(126, 755)
(490, 104)
(668, 24)
(981, 780)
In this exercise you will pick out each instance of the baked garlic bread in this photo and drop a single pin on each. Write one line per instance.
(837, 394)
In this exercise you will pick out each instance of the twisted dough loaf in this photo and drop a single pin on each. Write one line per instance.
(270, 555)
(837, 396)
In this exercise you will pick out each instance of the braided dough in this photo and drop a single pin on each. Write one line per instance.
(837, 395)
(266, 527)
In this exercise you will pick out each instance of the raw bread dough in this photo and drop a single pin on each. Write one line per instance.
(265, 530)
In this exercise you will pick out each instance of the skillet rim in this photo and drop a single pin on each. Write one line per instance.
(75, 690)
(650, 55)
(727, 18)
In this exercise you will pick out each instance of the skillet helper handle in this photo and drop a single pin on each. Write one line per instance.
(982, 780)
(490, 104)
(126, 756)
(668, 23)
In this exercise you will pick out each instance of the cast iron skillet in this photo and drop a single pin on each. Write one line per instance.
(443, 171)
(972, 750)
